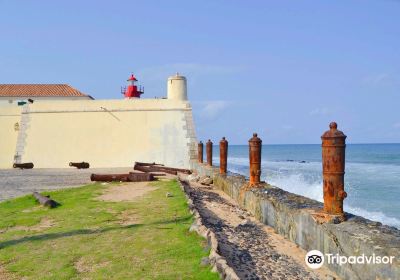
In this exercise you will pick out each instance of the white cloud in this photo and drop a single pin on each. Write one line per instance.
(320, 112)
(378, 79)
(212, 109)
(381, 79)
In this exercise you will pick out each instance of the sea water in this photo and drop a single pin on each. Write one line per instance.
(372, 179)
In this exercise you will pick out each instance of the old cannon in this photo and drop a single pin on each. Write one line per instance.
(131, 177)
(147, 163)
(154, 168)
(28, 165)
(159, 168)
(109, 177)
(45, 200)
(140, 177)
(80, 165)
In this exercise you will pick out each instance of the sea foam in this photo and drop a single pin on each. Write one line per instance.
(305, 178)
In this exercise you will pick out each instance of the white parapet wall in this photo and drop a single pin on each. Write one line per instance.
(10, 116)
(105, 133)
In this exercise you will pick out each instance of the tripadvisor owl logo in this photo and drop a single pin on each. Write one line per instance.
(314, 259)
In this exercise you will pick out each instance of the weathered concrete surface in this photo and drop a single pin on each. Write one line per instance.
(292, 216)
(217, 261)
(16, 182)
(252, 250)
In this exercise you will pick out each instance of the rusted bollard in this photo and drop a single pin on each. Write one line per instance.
(209, 152)
(200, 152)
(255, 159)
(223, 156)
(333, 165)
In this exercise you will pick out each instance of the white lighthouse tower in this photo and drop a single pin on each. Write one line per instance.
(177, 88)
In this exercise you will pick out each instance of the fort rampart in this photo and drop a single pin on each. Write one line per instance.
(105, 133)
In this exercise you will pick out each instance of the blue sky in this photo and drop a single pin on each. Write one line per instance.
(284, 69)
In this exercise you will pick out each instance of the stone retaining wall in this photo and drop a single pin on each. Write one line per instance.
(293, 216)
(217, 262)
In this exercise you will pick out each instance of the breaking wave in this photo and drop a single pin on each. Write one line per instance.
(305, 178)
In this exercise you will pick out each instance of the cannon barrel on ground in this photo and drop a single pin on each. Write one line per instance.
(155, 174)
(186, 171)
(45, 200)
(131, 177)
(109, 177)
(140, 177)
(80, 165)
(28, 165)
(149, 169)
(157, 168)
(147, 163)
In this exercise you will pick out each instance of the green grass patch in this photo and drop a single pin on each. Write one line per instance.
(85, 238)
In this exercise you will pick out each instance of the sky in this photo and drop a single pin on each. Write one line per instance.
(283, 69)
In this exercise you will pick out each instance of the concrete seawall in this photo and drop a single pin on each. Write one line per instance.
(293, 216)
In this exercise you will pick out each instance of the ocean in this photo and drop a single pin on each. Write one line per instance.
(372, 179)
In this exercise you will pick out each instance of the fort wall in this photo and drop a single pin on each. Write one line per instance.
(105, 133)
(10, 115)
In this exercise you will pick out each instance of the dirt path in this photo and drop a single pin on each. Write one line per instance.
(126, 191)
(252, 249)
(4, 275)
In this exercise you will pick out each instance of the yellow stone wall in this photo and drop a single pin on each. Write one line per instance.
(105, 133)
(9, 116)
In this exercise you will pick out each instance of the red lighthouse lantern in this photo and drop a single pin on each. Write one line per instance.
(132, 90)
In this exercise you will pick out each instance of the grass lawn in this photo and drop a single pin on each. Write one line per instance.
(85, 238)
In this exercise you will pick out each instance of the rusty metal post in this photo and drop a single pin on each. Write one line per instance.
(333, 166)
(209, 152)
(255, 159)
(223, 156)
(200, 152)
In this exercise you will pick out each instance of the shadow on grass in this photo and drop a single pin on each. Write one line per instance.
(51, 236)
